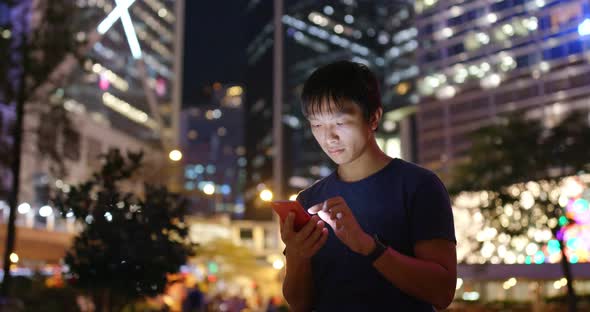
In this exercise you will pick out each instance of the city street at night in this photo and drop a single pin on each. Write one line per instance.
(294, 155)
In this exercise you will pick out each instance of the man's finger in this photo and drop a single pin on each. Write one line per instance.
(326, 218)
(337, 212)
(324, 215)
(315, 208)
(339, 225)
(282, 228)
(331, 204)
(289, 223)
(315, 234)
(326, 205)
(307, 229)
(286, 234)
(321, 241)
(334, 201)
(283, 225)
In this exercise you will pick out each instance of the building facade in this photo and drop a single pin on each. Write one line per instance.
(480, 59)
(378, 34)
(120, 89)
(212, 141)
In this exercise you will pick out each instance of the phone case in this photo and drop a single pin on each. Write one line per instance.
(283, 207)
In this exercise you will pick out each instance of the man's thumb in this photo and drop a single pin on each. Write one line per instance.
(315, 208)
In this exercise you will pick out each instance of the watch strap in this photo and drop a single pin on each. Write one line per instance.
(379, 249)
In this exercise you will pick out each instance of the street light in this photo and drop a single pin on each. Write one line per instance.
(209, 189)
(45, 211)
(584, 28)
(14, 258)
(278, 264)
(266, 195)
(175, 155)
(24, 208)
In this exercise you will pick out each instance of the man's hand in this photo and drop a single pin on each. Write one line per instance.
(302, 245)
(338, 215)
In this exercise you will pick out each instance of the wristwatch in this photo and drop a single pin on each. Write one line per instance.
(379, 249)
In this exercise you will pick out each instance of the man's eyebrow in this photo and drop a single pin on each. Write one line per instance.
(340, 113)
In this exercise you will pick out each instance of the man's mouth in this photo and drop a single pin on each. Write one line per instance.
(335, 151)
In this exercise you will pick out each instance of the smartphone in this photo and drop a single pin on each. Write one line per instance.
(283, 207)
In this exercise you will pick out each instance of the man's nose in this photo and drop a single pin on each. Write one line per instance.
(330, 136)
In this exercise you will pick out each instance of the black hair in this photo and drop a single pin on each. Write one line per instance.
(340, 81)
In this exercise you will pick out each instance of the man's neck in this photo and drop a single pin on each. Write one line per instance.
(369, 162)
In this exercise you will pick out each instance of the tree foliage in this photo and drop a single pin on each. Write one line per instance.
(521, 164)
(129, 241)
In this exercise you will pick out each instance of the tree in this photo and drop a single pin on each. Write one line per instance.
(522, 165)
(37, 46)
(129, 242)
(33, 53)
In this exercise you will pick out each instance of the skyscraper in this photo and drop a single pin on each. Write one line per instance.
(376, 33)
(481, 59)
(131, 76)
(122, 90)
(120, 87)
(212, 141)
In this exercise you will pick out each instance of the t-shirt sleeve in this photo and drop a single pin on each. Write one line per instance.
(431, 215)
(301, 199)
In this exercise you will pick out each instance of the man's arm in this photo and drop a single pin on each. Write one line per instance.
(431, 276)
(300, 247)
(298, 286)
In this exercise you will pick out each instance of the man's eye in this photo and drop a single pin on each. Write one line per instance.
(316, 126)
(339, 123)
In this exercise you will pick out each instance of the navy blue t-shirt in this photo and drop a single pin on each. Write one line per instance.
(403, 204)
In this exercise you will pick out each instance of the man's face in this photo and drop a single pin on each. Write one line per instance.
(343, 134)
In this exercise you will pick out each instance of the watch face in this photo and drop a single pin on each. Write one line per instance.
(378, 242)
(378, 251)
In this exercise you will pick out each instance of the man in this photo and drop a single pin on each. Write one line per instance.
(390, 243)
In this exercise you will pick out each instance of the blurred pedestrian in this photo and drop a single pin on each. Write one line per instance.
(194, 301)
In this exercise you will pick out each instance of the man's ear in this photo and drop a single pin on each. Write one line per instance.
(376, 118)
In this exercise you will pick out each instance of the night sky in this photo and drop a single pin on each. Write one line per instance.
(214, 45)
